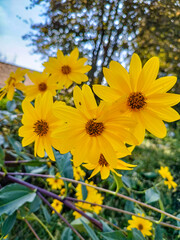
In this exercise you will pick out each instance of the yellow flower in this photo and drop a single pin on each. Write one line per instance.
(92, 196)
(140, 95)
(38, 125)
(164, 172)
(92, 127)
(13, 82)
(141, 224)
(104, 167)
(57, 205)
(55, 183)
(78, 173)
(42, 84)
(67, 69)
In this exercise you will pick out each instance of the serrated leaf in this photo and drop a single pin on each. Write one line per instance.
(152, 195)
(14, 196)
(67, 234)
(8, 224)
(90, 231)
(64, 164)
(115, 235)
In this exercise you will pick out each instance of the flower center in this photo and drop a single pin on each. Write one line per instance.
(102, 161)
(42, 87)
(66, 69)
(41, 128)
(140, 227)
(94, 128)
(136, 101)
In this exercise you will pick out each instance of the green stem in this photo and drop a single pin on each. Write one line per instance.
(43, 225)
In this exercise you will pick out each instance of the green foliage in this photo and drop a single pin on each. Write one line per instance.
(90, 231)
(115, 235)
(152, 195)
(8, 224)
(14, 196)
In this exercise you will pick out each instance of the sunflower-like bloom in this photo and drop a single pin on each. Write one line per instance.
(55, 183)
(78, 173)
(42, 84)
(92, 196)
(93, 130)
(165, 173)
(141, 224)
(67, 69)
(140, 95)
(104, 167)
(38, 125)
(13, 82)
(57, 205)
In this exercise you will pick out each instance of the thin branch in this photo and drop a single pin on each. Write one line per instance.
(62, 218)
(50, 194)
(124, 212)
(100, 189)
(32, 230)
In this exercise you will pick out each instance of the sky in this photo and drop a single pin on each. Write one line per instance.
(14, 23)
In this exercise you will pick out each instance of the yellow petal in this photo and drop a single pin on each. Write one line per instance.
(74, 55)
(148, 74)
(167, 114)
(117, 80)
(162, 85)
(163, 99)
(10, 93)
(153, 124)
(89, 97)
(108, 94)
(48, 148)
(95, 171)
(135, 70)
(105, 172)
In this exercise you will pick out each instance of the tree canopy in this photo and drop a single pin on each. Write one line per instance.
(110, 30)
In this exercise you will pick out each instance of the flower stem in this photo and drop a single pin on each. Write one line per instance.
(32, 230)
(50, 194)
(125, 212)
(62, 218)
(100, 189)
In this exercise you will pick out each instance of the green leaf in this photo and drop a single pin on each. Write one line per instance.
(84, 191)
(115, 235)
(2, 156)
(14, 196)
(8, 224)
(90, 231)
(64, 164)
(67, 234)
(35, 204)
(106, 227)
(158, 233)
(11, 105)
(150, 175)
(126, 181)
(15, 144)
(46, 214)
(119, 183)
(152, 195)
(77, 223)
(137, 235)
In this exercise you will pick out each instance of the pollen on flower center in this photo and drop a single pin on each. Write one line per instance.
(41, 127)
(94, 128)
(102, 161)
(65, 69)
(140, 226)
(136, 101)
(42, 87)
